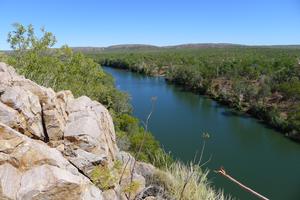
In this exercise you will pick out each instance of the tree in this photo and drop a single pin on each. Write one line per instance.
(23, 38)
(61, 68)
(28, 48)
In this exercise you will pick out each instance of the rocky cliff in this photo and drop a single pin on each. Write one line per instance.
(54, 146)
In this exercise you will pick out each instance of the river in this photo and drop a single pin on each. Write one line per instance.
(256, 155)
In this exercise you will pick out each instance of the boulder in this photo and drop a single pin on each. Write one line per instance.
(85, 161)
(54, 113)
(7, 73)
(89, 128)
(30, 169)
(110, 195)
(59, 184)
(10, 179)
(29, 110)
(145, 169)
(10, 117)
(41, 111)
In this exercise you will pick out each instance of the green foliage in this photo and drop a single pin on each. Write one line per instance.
(294, 118)
(3, 57)
(132, 187)
(161, 159)
(242, 77)
(123, 141)
(103, 177)
(127, 123)
(150, 145)
(23, 38)
(291, 89)
(63, 69)
(130, 136)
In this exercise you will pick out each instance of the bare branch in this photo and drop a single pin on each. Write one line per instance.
(223, 173)
(153, 99)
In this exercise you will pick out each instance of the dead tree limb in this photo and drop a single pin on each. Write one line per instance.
(223, 173)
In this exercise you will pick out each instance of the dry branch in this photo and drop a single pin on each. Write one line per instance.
(223, 173)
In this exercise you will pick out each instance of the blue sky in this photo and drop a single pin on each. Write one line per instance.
(158, 22)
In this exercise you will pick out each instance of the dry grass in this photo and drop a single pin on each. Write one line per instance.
(190, 177)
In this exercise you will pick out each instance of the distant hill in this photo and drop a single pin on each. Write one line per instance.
(292, 46)
(88, 49)
(132, 46)
(203, 45)
(145, 47)
(123, 47)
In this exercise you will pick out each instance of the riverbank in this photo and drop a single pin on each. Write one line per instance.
(265, 113)
(248, 149)
(258, 91)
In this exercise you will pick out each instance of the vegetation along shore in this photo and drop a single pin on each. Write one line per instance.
(259, 80)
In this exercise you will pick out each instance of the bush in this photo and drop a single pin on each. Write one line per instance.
(3, 57)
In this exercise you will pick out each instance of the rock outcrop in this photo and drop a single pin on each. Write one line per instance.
(30, 169)
(51, 143)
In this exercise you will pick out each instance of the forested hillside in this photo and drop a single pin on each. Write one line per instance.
(262, 81)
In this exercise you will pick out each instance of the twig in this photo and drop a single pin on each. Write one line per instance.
(153, 99)
(202, 150)
(124, 169)
(206, 161)
(204, 136)
(187, 180)
(223, 173)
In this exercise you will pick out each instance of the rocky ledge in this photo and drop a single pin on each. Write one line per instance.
(51, 143)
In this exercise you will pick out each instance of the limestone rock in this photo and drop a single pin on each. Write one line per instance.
(86, 161)
(90, 128)
(59, 184)
(28, 107)
(7, 73)
(10, 117)
(130, 177)
(144, 169)
(30, 169)
(54, 112)
(110, 195)
(10, 179)
(39, 107)
(126, 159)
(151, 198)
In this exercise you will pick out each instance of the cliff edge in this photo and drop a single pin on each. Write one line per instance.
(55, 146)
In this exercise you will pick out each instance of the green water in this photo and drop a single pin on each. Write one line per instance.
(258, 156)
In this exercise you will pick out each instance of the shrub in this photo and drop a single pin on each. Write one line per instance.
(104, 177)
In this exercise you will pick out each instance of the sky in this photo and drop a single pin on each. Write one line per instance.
(101, 23)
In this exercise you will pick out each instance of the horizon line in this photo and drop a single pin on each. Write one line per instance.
(175, 45)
